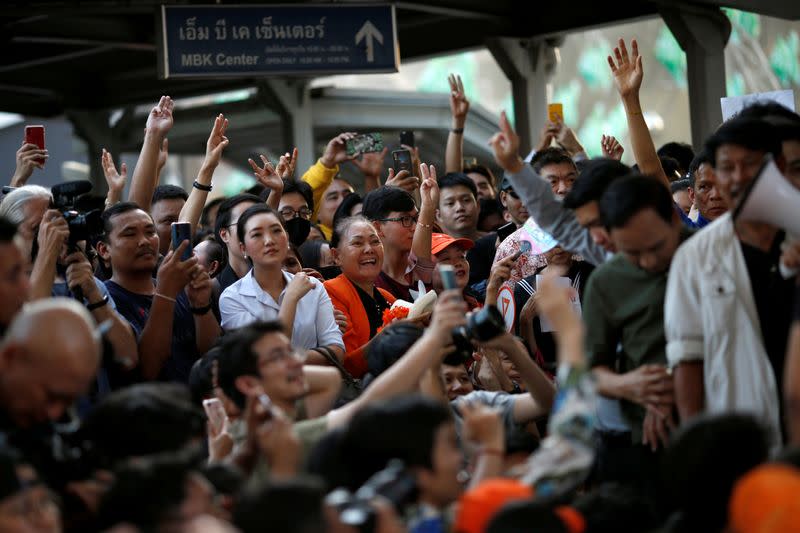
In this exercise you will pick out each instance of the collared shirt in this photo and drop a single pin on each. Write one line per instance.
(246, 302)
(700, 223)
(417, 270)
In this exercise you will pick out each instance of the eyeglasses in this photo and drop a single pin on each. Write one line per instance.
(407, 221)
(288, 213)
(512, 193)
(283, 357)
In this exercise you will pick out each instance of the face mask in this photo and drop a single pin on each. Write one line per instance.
(298, 230)
(330, 272)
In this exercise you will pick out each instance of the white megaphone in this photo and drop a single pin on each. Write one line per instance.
(772, 199)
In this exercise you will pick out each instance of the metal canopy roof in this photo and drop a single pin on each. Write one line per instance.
(99, 54)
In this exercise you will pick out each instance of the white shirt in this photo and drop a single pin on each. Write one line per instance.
(246, 302)
(710, 315)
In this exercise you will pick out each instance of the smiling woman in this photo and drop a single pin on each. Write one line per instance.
(358, 250)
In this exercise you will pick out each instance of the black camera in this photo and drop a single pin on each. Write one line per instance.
(78, 209)
(481, 326)
(396, 483)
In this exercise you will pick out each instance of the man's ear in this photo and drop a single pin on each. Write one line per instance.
(502, 198)
(378, 228)
(213, 267)
(249, 385)
(691, 194)
(438, 216)
(103, 251)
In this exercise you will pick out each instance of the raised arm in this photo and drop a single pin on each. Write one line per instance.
(115, 180)
(29, 157)
(371, 166)
(145, 176)
(268, 177)
(216, 144)
(628, 75)
(459, 108)
(429, 195)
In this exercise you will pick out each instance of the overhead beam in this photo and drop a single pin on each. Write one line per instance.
(53, 59)
(143, 47)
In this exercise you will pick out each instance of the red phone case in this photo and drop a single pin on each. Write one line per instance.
(35, 135)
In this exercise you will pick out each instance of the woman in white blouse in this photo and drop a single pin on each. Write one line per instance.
(268, 293)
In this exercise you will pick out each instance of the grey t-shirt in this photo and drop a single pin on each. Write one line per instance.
(502, 401)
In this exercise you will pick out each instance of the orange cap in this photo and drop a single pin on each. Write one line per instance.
(440, 241)
(478, 506)
(766, 500)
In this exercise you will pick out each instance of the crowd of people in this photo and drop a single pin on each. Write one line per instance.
(574, 346)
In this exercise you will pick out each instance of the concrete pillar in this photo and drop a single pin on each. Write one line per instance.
(293, 99)
(529, 65)
(702, 33)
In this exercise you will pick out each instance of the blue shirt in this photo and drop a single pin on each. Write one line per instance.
(689, 223)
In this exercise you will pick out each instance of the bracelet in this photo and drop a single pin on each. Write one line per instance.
(167, 298)
(426, 226)
(198, 185)
(200, 310)
(98, 305)
(457, 131)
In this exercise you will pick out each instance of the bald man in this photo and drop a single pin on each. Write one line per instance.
(48, 358)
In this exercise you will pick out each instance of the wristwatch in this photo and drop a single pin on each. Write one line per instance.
(200, 310)
(98, 305)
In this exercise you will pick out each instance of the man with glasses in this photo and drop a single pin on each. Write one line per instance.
(394, 215)
(296, 207)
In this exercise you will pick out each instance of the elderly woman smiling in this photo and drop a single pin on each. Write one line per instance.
(267, 292)
(358, 250)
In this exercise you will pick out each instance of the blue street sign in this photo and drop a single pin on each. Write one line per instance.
(217, 41)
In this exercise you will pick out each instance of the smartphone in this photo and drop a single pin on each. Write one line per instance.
(215, 413)
(555, 112)
(35, 135)
(365, 143)
(448, 274)
(470, 162)
(407, 138)
(505, 230)
(182, 231)
(402, 160)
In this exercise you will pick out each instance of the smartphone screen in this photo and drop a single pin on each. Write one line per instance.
(182, 231)
(402, 160)
(407, 138)
(505, 230)
(365, 143)
(555, 112)
(448, 274)
(35, 135)
(215, 413)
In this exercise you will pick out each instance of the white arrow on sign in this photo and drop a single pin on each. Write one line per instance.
(368, 31)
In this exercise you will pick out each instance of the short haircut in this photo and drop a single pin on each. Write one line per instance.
(453, 179)
(206, 214)
(483, 171)
(236, 356)
(114, 210)
(384, 200)
(250, 212)
(683, 153)
(785, 121)
(679, 185)
(632, 194)
(291, 506)
(517, 517)
(13, 205)
(201, 383)
(409, 437)
(489, 207)
(169, 192)
(224, 212)
(343, 226)
(215, 252)
(749, 133)
(551, 156)
(300, 187)
(617, 507)
(388, 347)
(8, 230)
(347, 205)
(598, 174)
(701, 158)
(671, 168)
(310, 253)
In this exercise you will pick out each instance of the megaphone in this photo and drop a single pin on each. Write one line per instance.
(772, 199)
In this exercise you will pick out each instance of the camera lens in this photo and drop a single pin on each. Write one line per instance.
(486, 324)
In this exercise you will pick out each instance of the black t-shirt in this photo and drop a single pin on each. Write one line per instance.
(136, 310)
(774, 298)
(374, 305)
(481, 257)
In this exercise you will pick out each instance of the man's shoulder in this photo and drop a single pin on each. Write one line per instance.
(700, 241)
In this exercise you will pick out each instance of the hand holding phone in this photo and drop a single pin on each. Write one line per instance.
(215, 412)
(365, 143)
(555, 112)
(35, 135)
(182, 231)
(407, 138)
(401, 160)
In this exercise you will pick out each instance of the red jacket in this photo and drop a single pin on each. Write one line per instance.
(345, 298)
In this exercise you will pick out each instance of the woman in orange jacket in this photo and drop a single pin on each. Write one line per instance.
(358, 250)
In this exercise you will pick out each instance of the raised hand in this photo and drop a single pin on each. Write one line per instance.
(371, 163)
(482, 425)
(567, 139)
(300, 285)
(115, 180)
(549, 132)
(449, 312)
(53, 232)
(160, 119)
(403, 179)
(163, 153)
(199, 288)
(173, 274)
(29, 157)
(505, 145)
(627, 71)
(612, 149)
(459, 105)
(429, 190)
(217, 141)
(80, 274)
(500, 273)
(336, 150)
(287, 164)
(267, 175)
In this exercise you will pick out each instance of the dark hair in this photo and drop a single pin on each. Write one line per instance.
(750, 133)
(224, 212)
(483, 171)
(785, 121)
(143, 419)
(683, 153)
(201, 385)
(291, 506)
(347, 205)
(551, 156)
(384, 200)
(310, 253)
(7, 230)
(700, 159)
(592, 182)
(489, 207)
(632, 194)
(703, 461)
(613, 507)
(169, 192)
(453, 179)
(250, 212)
(679, 185)
(409, 436)
(114, 210)
(343, 225)
(206, 214)
(237, 358)
(517, 517)
(216, 253)
(393, 341)
(671, 168)
(299, 187)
